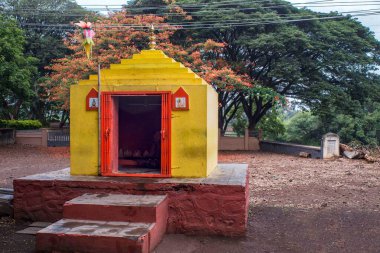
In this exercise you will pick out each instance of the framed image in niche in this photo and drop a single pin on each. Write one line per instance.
(180, 100)
(92, 102)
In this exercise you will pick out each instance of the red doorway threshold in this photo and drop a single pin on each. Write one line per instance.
(216, 205)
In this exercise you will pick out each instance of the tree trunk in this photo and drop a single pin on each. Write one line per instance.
(229, 103)
(254, 109)
(251, 126)
(221, 120)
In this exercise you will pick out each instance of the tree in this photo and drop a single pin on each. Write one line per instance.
(42, 22)
(257, 57)
(359, 127)
(303, 128)
(203, 59)
(115, 43)
(111, 45)
(16, 70)
(272, 125)
(202, 56)
(306, 128)
(311, 60)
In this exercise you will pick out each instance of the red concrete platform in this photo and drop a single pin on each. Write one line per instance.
(216, 205)
(113, 223)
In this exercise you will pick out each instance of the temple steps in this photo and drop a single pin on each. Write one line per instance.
(174, 65)
(150, 61)
(95, 223)
(168, 81)
(115, 207)
(144, 71)
(153, 76)
(149, 56)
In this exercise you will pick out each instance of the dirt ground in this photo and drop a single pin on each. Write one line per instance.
(296, 204)
(22, 160)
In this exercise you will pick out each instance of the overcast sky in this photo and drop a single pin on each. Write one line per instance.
(373, 22)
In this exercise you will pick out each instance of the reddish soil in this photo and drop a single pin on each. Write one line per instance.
(22, 160)
(300, 205)
(296, 204)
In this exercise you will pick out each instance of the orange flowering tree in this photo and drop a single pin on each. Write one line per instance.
(120, 36)
(229, 57)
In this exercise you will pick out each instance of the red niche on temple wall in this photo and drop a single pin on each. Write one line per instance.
(92, 101)
(180, 100)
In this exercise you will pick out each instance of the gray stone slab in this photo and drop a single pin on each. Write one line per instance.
(118, 200)
(224, 174)
(40, 224)
(128, 230)
(5, 198)
(7, 191)
(29, 230)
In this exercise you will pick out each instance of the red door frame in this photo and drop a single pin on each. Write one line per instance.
(109, 133)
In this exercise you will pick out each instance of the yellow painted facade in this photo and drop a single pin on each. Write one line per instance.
(194, 134)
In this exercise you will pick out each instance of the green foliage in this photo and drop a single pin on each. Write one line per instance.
(272, 125)
(44, 43)
(239, 123)
(323, 63)
(16, 70)
(357, 128)
(329, 65)
(306, 128)
(303, 128)
(21, 124)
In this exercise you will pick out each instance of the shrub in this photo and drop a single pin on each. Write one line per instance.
(303, 128)
(20, 124)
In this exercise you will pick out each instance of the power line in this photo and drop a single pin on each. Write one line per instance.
(194, 26)
(209, 23)
(183, 5)
(285, 15)
(195, 14)
(197, 6)
(299, 15)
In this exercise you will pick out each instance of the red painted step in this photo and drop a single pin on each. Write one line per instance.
(112, 223)
(117, 207)
(68, 235)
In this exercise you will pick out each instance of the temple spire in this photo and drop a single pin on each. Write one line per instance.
(152, 38)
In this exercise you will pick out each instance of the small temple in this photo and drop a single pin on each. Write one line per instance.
(144, 162)
(159, 119)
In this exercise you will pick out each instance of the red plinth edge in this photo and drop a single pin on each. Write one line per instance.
(217, 205)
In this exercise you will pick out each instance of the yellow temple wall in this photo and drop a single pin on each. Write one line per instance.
(194, 133)
(212, 129)
(83, 133)
(193, 137)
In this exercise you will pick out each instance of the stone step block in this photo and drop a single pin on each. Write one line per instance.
(69, 235)
(117, 207)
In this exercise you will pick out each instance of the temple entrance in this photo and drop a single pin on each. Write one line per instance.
(136, 134)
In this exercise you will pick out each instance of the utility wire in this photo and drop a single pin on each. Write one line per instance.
(197, 6)
(281, 16)
(183, 5)
(221, 3)
(202, 13)
(288, 15)
(194, 26)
